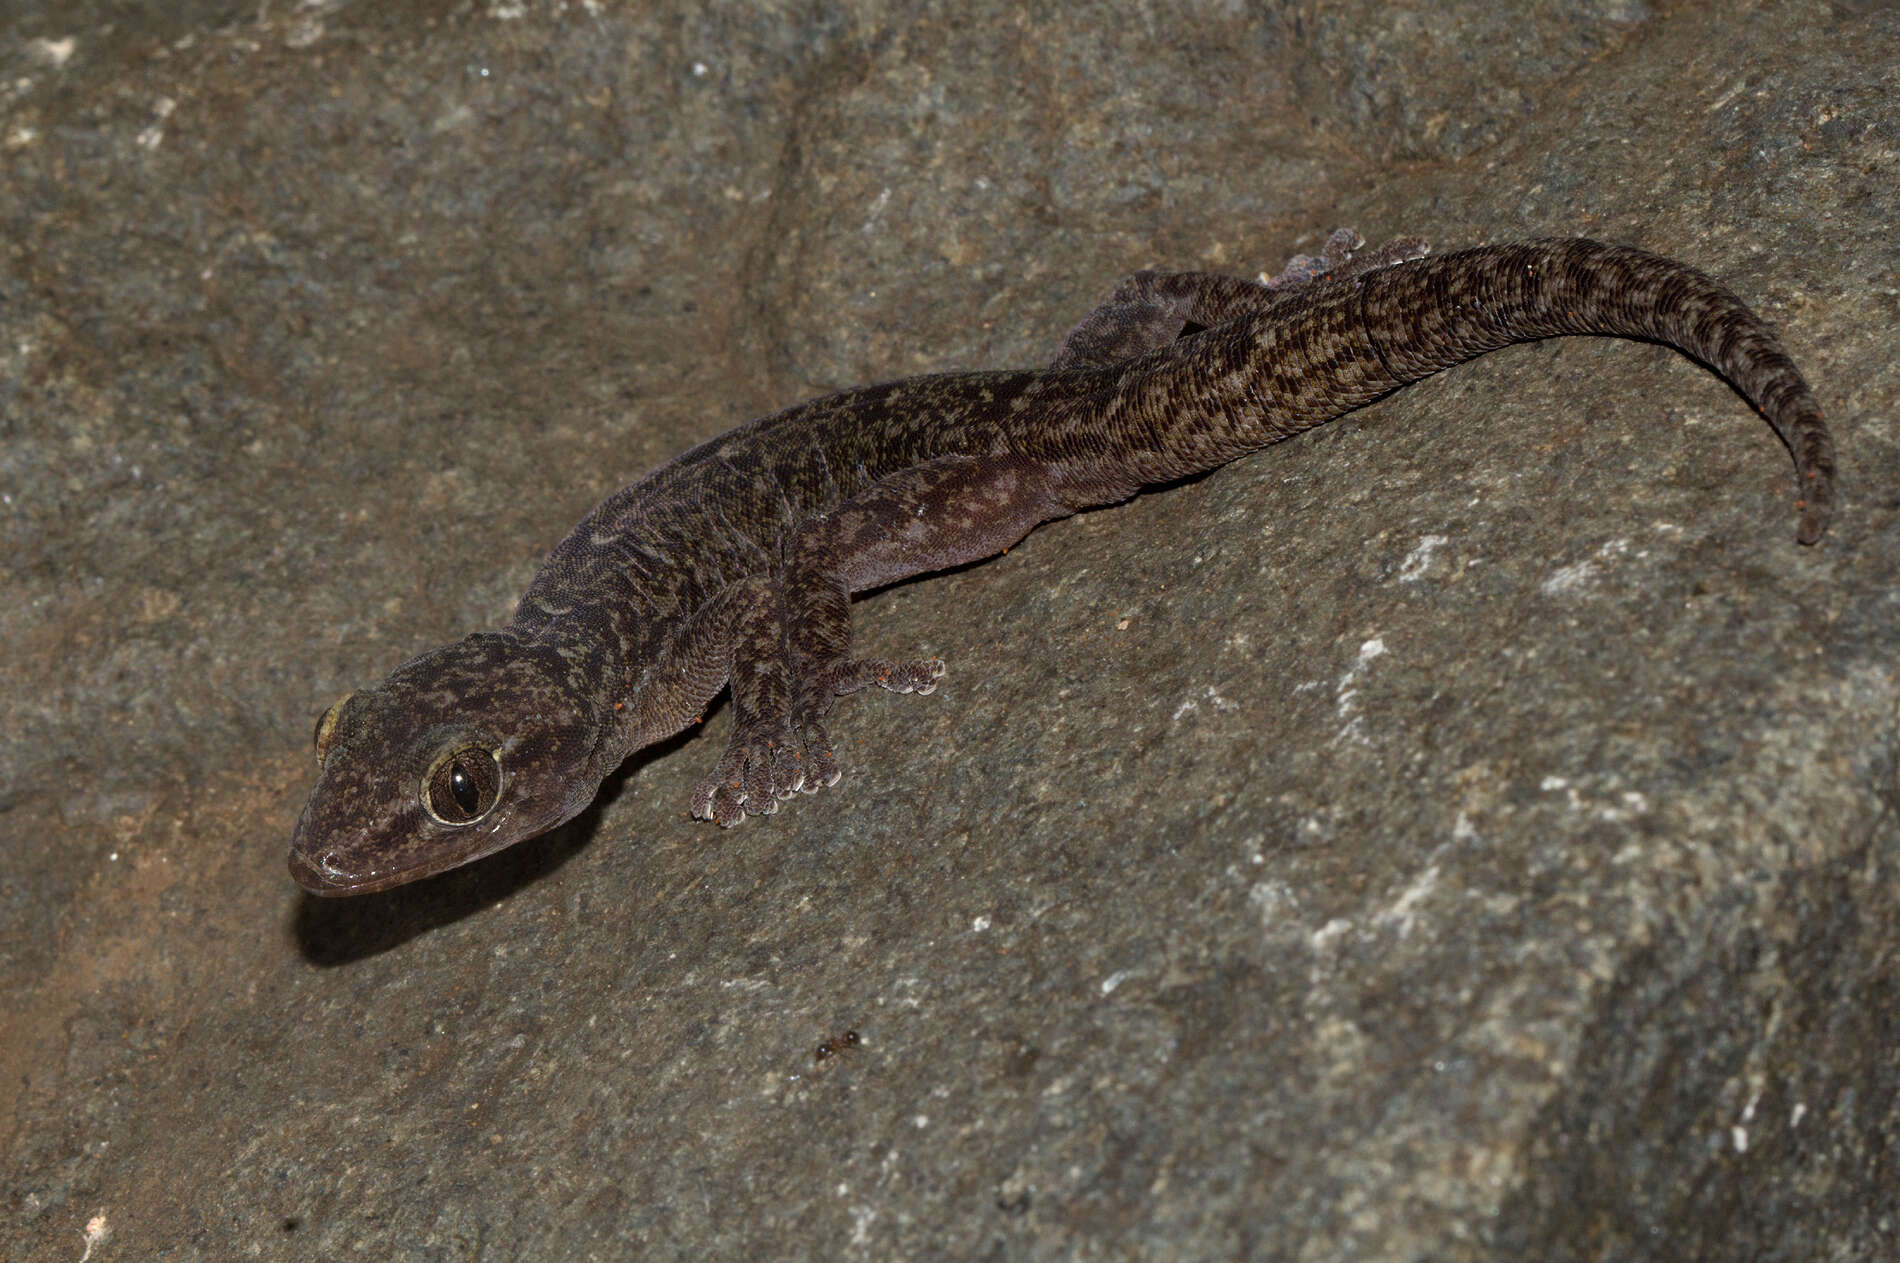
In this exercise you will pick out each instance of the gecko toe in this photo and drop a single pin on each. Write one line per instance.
(762, 768)
(788, 769)
(718, 802)
(768, 761)
(821, 763)
(739, 786)
(848, 675)
(1340, 257)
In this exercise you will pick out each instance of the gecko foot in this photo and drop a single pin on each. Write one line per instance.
(763, 765)
(1339, 258)
(848, 675)
(767, 761)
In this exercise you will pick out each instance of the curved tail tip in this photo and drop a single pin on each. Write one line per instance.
(1813, 449)
(1815, 509)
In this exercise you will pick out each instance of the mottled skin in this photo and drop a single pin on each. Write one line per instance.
(736, 562)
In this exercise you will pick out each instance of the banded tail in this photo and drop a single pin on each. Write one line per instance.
(1336, 344)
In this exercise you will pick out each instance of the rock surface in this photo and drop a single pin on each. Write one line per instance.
(1468, 831)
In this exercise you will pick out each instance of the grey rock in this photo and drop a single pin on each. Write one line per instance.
(1468, 831)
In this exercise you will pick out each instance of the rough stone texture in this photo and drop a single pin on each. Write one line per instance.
(1469, 831)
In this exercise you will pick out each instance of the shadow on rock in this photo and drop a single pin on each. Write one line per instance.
(337, 931)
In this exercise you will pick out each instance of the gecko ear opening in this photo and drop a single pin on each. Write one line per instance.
(326, 726)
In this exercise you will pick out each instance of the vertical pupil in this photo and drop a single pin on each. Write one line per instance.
(462, 788)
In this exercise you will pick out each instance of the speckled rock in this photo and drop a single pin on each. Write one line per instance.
(1468, 831)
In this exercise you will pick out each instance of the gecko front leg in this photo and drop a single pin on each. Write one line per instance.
(790, 632)
(790, 638)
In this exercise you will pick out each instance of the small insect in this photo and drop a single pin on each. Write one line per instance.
(834, 1047)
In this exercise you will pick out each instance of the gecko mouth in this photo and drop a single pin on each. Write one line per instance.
(323, 867)
(319, 877)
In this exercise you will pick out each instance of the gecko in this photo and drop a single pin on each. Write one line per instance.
(733, 565)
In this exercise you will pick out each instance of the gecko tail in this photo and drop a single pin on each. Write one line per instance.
(1427, 315)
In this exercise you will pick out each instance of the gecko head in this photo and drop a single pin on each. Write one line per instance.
(459, 753)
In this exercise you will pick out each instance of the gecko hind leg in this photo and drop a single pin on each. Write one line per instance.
(1340, 258)
(836, 679)
(1151, 310)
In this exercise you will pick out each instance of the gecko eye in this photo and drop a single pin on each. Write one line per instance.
(462, 786)
(326, 726)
